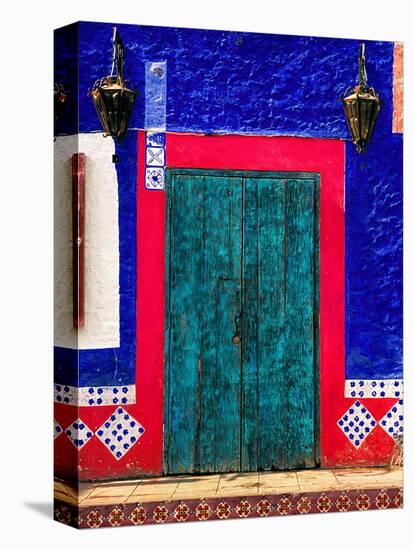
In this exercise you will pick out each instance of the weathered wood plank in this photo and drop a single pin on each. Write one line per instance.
(249, 327)
(184, 332)
(221, 303)
(204, 364)
(299, 335)
(273, 400)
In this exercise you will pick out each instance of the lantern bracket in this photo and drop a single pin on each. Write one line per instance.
(118, 55)
(362, 67)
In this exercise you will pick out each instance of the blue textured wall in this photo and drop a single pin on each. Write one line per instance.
(283, 85)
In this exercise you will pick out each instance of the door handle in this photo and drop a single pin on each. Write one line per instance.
(236, 339)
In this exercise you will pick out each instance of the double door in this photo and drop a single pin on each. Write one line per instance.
(241, 343)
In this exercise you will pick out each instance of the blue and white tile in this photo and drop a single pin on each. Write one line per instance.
(120, 432)
(91, 396)
(374, 389)
(79, 433)
(392, 422)
(155, 156)
(357, 423)
(57, 428)
(155, 139)
(155, 178)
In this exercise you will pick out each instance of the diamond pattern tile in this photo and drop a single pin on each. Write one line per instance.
(79, 433)
(57, 429)
(392, 421)
(357, 423)
(120, 432)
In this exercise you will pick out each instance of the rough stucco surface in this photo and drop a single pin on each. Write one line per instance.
(101, 328)
(374, 260)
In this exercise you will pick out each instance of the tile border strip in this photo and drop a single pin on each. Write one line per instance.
(216, 508)
(375, 389)
(155, 160)
(92, 396)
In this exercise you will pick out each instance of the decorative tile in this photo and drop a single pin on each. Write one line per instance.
(116, 517)
(155, 156)
(263, 507)
(382, 500)
(357, 423)
(160, 514)
(94, 519)
(363, 502)
(57, 430)
(120, 432)
(374, 388)
(63, 514)
(398, 499)
(223, 510)
(324, 504)
(155, 139)
(203, 511)
(304, 505)
(138, 515)
(155, 178)
(343, 503)
(284, 506)
(392, 421)
(155, 160)
(79, 433)
(182, 511)
(243, 508)
(92, 396)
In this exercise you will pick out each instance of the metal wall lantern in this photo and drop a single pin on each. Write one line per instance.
(113, 100)
(59, 99)
(361, 107)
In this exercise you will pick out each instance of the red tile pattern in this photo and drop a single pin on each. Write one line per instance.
(92, 517)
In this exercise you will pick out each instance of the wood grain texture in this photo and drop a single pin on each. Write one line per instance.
(204, 299)
(299, 330)
(273, 400)
(243, 261)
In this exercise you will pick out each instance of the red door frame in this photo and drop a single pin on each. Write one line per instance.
(324, 156)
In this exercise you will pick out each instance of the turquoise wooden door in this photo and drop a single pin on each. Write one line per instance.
(242, 321)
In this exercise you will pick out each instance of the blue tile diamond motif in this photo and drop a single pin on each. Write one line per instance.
(120, 432)
(357, 423)
(57, 429)
(79, 433)
(392, 421)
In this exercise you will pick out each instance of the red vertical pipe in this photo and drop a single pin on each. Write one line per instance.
(78, 237)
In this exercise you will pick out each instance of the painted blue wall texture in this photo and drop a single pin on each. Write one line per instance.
(230, 82)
